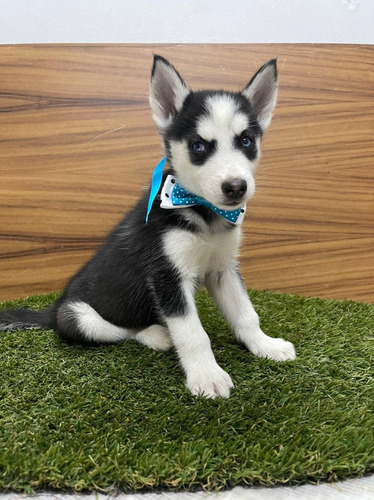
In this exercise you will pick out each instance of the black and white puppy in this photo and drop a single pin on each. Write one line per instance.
(141, 283)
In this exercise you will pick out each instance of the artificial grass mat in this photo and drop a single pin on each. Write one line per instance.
(120, 417)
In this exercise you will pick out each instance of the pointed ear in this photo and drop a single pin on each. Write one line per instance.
(167, 92)
(261, 91)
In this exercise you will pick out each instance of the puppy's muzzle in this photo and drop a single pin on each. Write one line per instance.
(234, 189)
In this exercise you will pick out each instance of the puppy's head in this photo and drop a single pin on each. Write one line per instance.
(212, 138)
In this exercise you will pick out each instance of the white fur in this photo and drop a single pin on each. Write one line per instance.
(155, 337)
(196, 254)
(223, 122)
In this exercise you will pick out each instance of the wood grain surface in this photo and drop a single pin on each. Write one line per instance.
(77, 144)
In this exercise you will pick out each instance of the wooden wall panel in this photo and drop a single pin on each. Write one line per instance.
(77, 144)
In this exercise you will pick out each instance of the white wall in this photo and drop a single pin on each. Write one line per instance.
(186, 21)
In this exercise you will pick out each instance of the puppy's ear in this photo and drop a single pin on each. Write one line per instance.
(261, 91)
(167, 92)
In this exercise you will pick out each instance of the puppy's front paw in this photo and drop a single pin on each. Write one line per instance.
(276, 349)
(210, 383)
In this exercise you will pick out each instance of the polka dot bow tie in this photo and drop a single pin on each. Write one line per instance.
(173, 195)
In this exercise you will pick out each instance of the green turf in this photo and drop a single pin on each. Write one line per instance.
(120, 416)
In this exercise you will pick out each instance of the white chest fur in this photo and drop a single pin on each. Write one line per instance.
(196, 254)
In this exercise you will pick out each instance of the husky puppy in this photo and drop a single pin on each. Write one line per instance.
(141, 283)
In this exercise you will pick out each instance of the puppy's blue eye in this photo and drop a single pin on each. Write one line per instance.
(198, 147)
(246, 141)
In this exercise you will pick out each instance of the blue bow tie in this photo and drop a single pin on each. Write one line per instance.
(173, 195)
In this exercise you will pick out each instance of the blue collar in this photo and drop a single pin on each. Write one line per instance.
(173, 195)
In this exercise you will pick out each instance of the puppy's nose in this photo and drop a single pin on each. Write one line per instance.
(234, 188)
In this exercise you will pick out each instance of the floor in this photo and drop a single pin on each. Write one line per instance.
(353, 489)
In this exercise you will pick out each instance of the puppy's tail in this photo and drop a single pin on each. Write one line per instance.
(20, 319)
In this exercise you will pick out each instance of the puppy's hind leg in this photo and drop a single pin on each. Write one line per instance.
(155, 337)
(78, 322)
